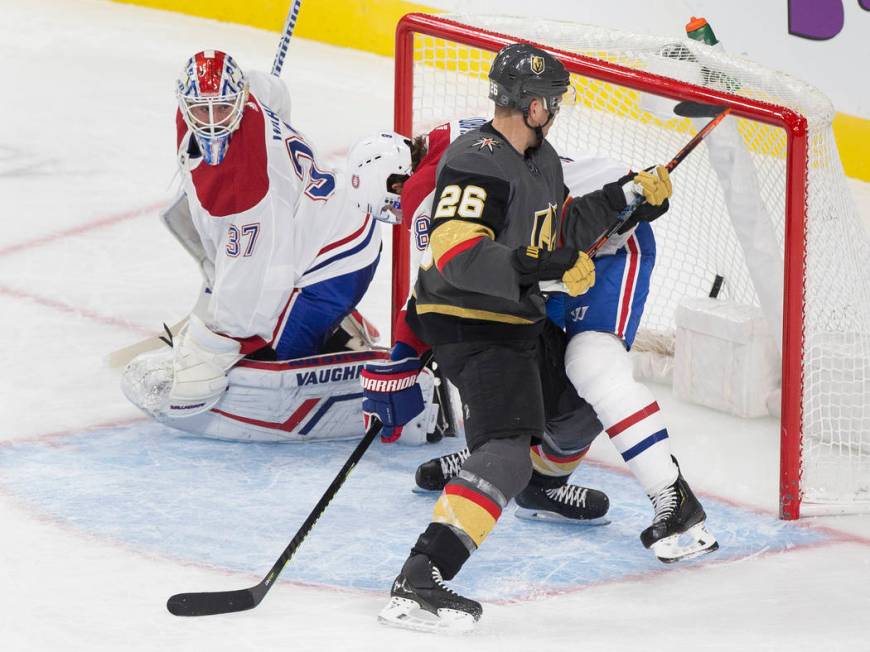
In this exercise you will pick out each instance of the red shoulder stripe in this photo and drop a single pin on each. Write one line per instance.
(241, 180)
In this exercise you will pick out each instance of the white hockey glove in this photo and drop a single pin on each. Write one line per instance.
(200, 364)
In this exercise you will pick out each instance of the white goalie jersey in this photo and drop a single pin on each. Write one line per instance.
(271, 219)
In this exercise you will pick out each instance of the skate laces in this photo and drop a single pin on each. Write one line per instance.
(439, 581)
(665, 503)
(569, 494)
(451, 464)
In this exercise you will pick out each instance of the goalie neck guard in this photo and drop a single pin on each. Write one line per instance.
(211, 92)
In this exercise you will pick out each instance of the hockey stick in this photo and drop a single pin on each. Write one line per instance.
(120, 357)
(627, 212)
(289, 26)
(222, 602)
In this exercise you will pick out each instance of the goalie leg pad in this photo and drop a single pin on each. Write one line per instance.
(309, 399)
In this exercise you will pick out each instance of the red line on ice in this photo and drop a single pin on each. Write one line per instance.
(99, 223)
(75, 310)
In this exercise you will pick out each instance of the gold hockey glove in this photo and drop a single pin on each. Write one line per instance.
(655, 186)
(581, 276)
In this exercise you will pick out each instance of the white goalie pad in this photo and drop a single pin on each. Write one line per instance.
(309, 399)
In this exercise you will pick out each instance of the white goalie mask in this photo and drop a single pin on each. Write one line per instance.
(212, 91)
(374, 166)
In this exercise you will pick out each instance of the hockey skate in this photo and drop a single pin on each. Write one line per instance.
(568, 503)
(420, 600)
(677, 531)
(437, 472)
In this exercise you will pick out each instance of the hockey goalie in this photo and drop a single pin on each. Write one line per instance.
(274, 347)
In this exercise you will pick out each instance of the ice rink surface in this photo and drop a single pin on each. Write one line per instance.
(103, 514)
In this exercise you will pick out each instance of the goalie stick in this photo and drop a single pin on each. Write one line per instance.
(121, 357)
(289, 26)
(625, 213)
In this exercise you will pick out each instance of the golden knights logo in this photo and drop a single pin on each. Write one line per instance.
(537, 64)
(488, 143)
(543, 228)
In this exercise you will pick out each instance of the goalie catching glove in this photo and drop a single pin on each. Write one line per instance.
(574, 268)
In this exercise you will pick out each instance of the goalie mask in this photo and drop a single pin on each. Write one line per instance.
(212, 91)
(376, 165)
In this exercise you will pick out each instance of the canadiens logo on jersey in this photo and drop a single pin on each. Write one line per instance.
(486, 143)
(354, 181)
(537, 64)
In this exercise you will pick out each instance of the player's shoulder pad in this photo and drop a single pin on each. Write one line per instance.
(477, 151)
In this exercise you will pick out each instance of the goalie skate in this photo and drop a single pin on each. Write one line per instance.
(678, 531)
(419, 600)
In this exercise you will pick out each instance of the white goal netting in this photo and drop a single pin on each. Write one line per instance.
(728, 216)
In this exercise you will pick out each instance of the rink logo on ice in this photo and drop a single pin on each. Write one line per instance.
(328, 375)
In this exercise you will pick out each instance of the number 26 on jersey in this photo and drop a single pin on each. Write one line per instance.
(465, 202)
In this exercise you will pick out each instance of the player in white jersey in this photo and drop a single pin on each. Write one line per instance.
(601, 325)
(287, 247)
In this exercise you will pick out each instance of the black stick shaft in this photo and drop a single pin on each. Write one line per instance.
(221, 602)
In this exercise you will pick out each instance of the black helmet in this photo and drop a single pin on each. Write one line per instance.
(522, 72)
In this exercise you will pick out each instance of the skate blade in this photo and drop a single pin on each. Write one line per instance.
(425, 492)
(407, 614)
(694, 542)
(527, 514)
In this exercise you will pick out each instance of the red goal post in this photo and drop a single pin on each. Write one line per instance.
(458, 48)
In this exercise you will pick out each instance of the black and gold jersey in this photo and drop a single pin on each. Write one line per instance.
(489, 200)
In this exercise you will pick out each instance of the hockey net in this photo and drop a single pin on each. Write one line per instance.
(798, 253)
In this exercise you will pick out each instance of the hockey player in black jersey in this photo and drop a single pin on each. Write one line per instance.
(500, 214)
